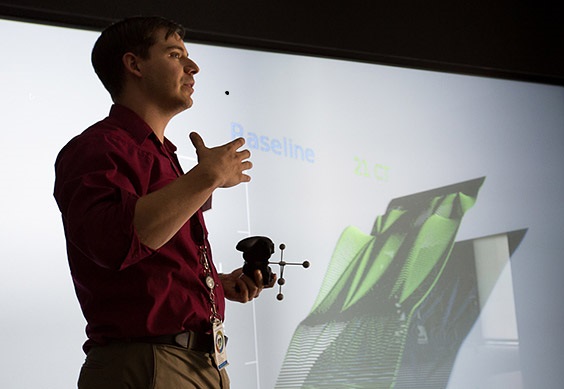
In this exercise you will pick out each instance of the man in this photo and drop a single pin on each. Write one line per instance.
(136, 238)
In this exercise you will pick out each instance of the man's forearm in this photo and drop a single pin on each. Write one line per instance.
(160, 214)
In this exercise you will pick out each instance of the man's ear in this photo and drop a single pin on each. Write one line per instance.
(131, 64)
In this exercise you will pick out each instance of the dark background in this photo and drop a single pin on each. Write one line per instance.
(519, 40)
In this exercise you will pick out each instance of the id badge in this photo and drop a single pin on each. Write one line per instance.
(220, 353)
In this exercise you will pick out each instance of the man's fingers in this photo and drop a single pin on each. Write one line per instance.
(244, 154)
(251, 289)
(226, 162)
(247, 165)
(236, 143)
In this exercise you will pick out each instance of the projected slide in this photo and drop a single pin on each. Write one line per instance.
(428, 204)
(395, 304)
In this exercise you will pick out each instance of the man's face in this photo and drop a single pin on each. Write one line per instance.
(168, 74)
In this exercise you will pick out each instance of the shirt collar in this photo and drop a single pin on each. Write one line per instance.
(137, 127)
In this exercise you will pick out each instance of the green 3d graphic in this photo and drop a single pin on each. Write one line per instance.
(385, 316)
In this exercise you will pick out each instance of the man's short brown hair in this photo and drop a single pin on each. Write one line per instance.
(135, 35)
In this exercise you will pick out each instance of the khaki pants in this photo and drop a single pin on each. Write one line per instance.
(149, 366)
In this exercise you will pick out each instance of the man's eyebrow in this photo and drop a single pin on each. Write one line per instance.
(177, 47)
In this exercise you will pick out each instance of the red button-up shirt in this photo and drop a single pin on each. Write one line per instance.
(126, 289)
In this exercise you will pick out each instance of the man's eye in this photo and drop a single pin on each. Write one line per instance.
(176, 55)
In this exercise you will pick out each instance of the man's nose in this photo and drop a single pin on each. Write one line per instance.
(191, 67)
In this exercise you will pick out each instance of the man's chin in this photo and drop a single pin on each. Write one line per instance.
(185, 104)
(188, 102)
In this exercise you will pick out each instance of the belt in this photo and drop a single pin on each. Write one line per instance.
(189, 340)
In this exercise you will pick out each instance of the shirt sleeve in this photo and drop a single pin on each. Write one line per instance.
(98, 182)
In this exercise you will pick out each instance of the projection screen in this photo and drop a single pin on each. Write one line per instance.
(428, 204)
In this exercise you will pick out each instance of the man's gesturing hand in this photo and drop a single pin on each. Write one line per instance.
(224, 163)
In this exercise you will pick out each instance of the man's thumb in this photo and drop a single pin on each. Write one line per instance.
(197, 141)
